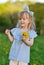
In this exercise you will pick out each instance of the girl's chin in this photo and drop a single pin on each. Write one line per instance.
(22, 26)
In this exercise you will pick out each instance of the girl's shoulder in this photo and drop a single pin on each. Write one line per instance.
(32, 33)
(14, 30)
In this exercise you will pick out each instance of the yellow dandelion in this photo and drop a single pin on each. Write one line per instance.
(6, 52)
(34, 64)
(25, 34)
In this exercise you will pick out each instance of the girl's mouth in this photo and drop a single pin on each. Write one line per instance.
(22, 23)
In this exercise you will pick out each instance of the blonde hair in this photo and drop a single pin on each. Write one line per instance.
(28, 16)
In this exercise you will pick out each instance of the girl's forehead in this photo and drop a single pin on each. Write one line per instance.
(24, 15)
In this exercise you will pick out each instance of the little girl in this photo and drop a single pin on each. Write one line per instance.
(20, 49)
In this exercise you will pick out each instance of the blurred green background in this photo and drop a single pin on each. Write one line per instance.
(8, 19)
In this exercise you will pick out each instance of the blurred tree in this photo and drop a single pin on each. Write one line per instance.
(38, 10)
(42, 27)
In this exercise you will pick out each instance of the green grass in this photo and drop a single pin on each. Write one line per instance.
(4, 49)
(37, 50)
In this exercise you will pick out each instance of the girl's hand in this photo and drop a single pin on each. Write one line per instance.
(24, 38)
(7, 31)
(28, 42)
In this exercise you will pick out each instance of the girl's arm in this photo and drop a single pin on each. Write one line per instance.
(28, 42)
(7, 32)
(11, 38)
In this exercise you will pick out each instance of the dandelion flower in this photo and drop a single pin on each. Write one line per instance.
(25, 34)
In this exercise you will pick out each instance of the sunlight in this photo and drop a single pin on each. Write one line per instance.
(40, 1)
(3, 1)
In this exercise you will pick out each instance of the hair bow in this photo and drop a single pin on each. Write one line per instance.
(26, 8)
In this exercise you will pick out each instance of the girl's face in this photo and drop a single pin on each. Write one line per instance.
(24, 20)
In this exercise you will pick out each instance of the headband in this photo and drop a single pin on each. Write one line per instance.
(26, 8)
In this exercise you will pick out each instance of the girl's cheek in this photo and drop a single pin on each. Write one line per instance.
(19, 21)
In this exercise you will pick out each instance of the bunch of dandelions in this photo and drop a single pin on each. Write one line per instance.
(26, 35)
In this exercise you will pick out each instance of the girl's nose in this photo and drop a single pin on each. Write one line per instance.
(21, 19)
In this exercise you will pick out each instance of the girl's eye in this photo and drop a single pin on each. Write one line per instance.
(23, 18)
(19, 18)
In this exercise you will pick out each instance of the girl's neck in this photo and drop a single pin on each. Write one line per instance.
(24, 29)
